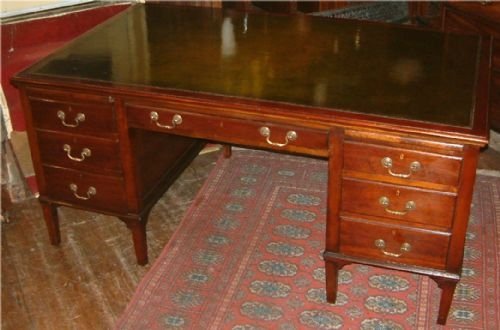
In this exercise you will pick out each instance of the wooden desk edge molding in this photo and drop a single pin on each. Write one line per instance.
(112, 124)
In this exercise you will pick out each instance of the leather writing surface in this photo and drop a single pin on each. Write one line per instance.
(371, 68)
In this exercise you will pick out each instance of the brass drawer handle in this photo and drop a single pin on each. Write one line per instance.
(405, 247)
(385, 202)
(80, 117)
(387, 163)
(266, 132)
(85, 153)
(90, 192)
(176, 120)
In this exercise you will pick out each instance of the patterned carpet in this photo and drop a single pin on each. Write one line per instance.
(248, 256)
(388, 11)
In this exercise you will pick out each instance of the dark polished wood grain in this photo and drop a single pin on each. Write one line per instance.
(399, 113)
(481, 18)
(107, 177)
(83, 153)
(429, 248)
(442, 174)
(52, 107)
(363, 197)
(315, 62)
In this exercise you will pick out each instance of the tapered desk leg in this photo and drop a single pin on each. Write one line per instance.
(227, 151)
(335, 165)
(52, 221)
(447, 290)
(332, 275)
(138, 228)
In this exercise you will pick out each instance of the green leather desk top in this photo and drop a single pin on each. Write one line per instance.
(353, 66)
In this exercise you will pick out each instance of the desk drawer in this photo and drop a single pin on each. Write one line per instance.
(88, 190)
(79, 153)
(231, 131)
(393, 244)
(397, 202)
(78, 118)
(398, 163)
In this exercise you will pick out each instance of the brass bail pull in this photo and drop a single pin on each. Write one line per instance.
(386, 202)
(380, 244)
(85, 153)
(414, 167)
(176, 120)
(266, 132)
(79, 118)
(91, 191)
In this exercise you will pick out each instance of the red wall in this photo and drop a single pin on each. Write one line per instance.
(25, 42)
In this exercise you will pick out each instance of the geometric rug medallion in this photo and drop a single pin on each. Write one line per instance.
(248, 256)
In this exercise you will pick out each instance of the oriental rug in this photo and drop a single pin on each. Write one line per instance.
(248, 256)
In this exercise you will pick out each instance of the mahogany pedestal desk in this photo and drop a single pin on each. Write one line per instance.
(399, 113)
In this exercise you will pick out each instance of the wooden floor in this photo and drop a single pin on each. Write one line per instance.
(87, 281)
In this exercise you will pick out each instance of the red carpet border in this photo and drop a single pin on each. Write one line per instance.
(248, 256)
